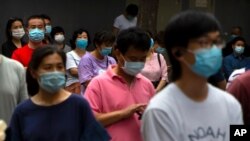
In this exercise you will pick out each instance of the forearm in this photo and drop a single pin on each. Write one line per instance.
(107, 119)
(74, 72)
(161, 85)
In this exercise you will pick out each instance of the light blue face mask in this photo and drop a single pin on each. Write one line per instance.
(207, 61)
(36, 35)
(52, 82)
(160, 50)
(106, 51)
(48, 29)
(133, 68)
(81, 43)
(151, 42)
(239, 49)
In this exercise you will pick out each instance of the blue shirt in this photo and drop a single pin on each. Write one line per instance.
(71, 120)
(232, 62)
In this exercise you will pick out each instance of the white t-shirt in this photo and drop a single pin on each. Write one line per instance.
(172, 116)
(72, 62)
(234, 75)
(121, 22)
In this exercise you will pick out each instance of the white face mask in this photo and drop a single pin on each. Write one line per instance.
(59, 38)
(18, 33)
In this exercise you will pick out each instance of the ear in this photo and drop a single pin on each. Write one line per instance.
(33, 74)
(177, 53)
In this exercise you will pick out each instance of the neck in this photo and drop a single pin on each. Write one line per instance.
(14, 40)
(97, 54)
(193, 85)
(34, 45)
(79, 52)
(47, 99)
(60, 46)
(150, 53)
(128, 78)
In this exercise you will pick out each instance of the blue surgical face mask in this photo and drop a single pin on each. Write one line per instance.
(207, 61)
(48, 29)
(151, 42)
(36, 35)
(52, 82)
(160, 50)
(82, 43)
(133, 68)
(239, 49)
(106, 51)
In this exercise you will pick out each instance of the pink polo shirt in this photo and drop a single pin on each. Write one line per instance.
(109, 92)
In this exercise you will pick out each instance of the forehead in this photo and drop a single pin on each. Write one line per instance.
(239, 42)
(132, 51)
(36, 21)
(47, 21)
(213, 35)
(83, 34)
(52, 59)
(16, 23)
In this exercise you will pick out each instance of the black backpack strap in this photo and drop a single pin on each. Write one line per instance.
(159, 60)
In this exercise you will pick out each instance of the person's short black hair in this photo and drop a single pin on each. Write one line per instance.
(37, 57)
(103, 37)
(34, 17)
(132, 10)
(237, 27)
(182, 28)
(75, 35)
(132, 37)
(8, 31)
(56, 29)
(44, 16)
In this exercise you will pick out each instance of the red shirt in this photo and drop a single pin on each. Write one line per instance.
(241, 90)
(23, 55)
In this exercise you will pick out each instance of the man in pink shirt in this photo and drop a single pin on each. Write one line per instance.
(119, 96)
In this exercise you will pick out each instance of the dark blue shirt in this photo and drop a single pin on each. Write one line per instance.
(71, 120)
(232, 62)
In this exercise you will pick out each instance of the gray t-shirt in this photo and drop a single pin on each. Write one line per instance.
(172, 116)
(13, 88)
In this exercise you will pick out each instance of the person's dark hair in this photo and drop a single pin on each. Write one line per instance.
(182, 28)
(236, 27)
(159, 38)
(229, 50)
(75, 35)
(34, 17)
(132, 10)
(103, 37)
(44, 16)
(37, 57)
(56, 29)
(132, 37)
(8, 27)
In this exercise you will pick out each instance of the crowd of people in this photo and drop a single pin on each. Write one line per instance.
(134, 86)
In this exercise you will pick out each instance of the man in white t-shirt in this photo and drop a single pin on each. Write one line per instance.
(190, 109)
(126, 20)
